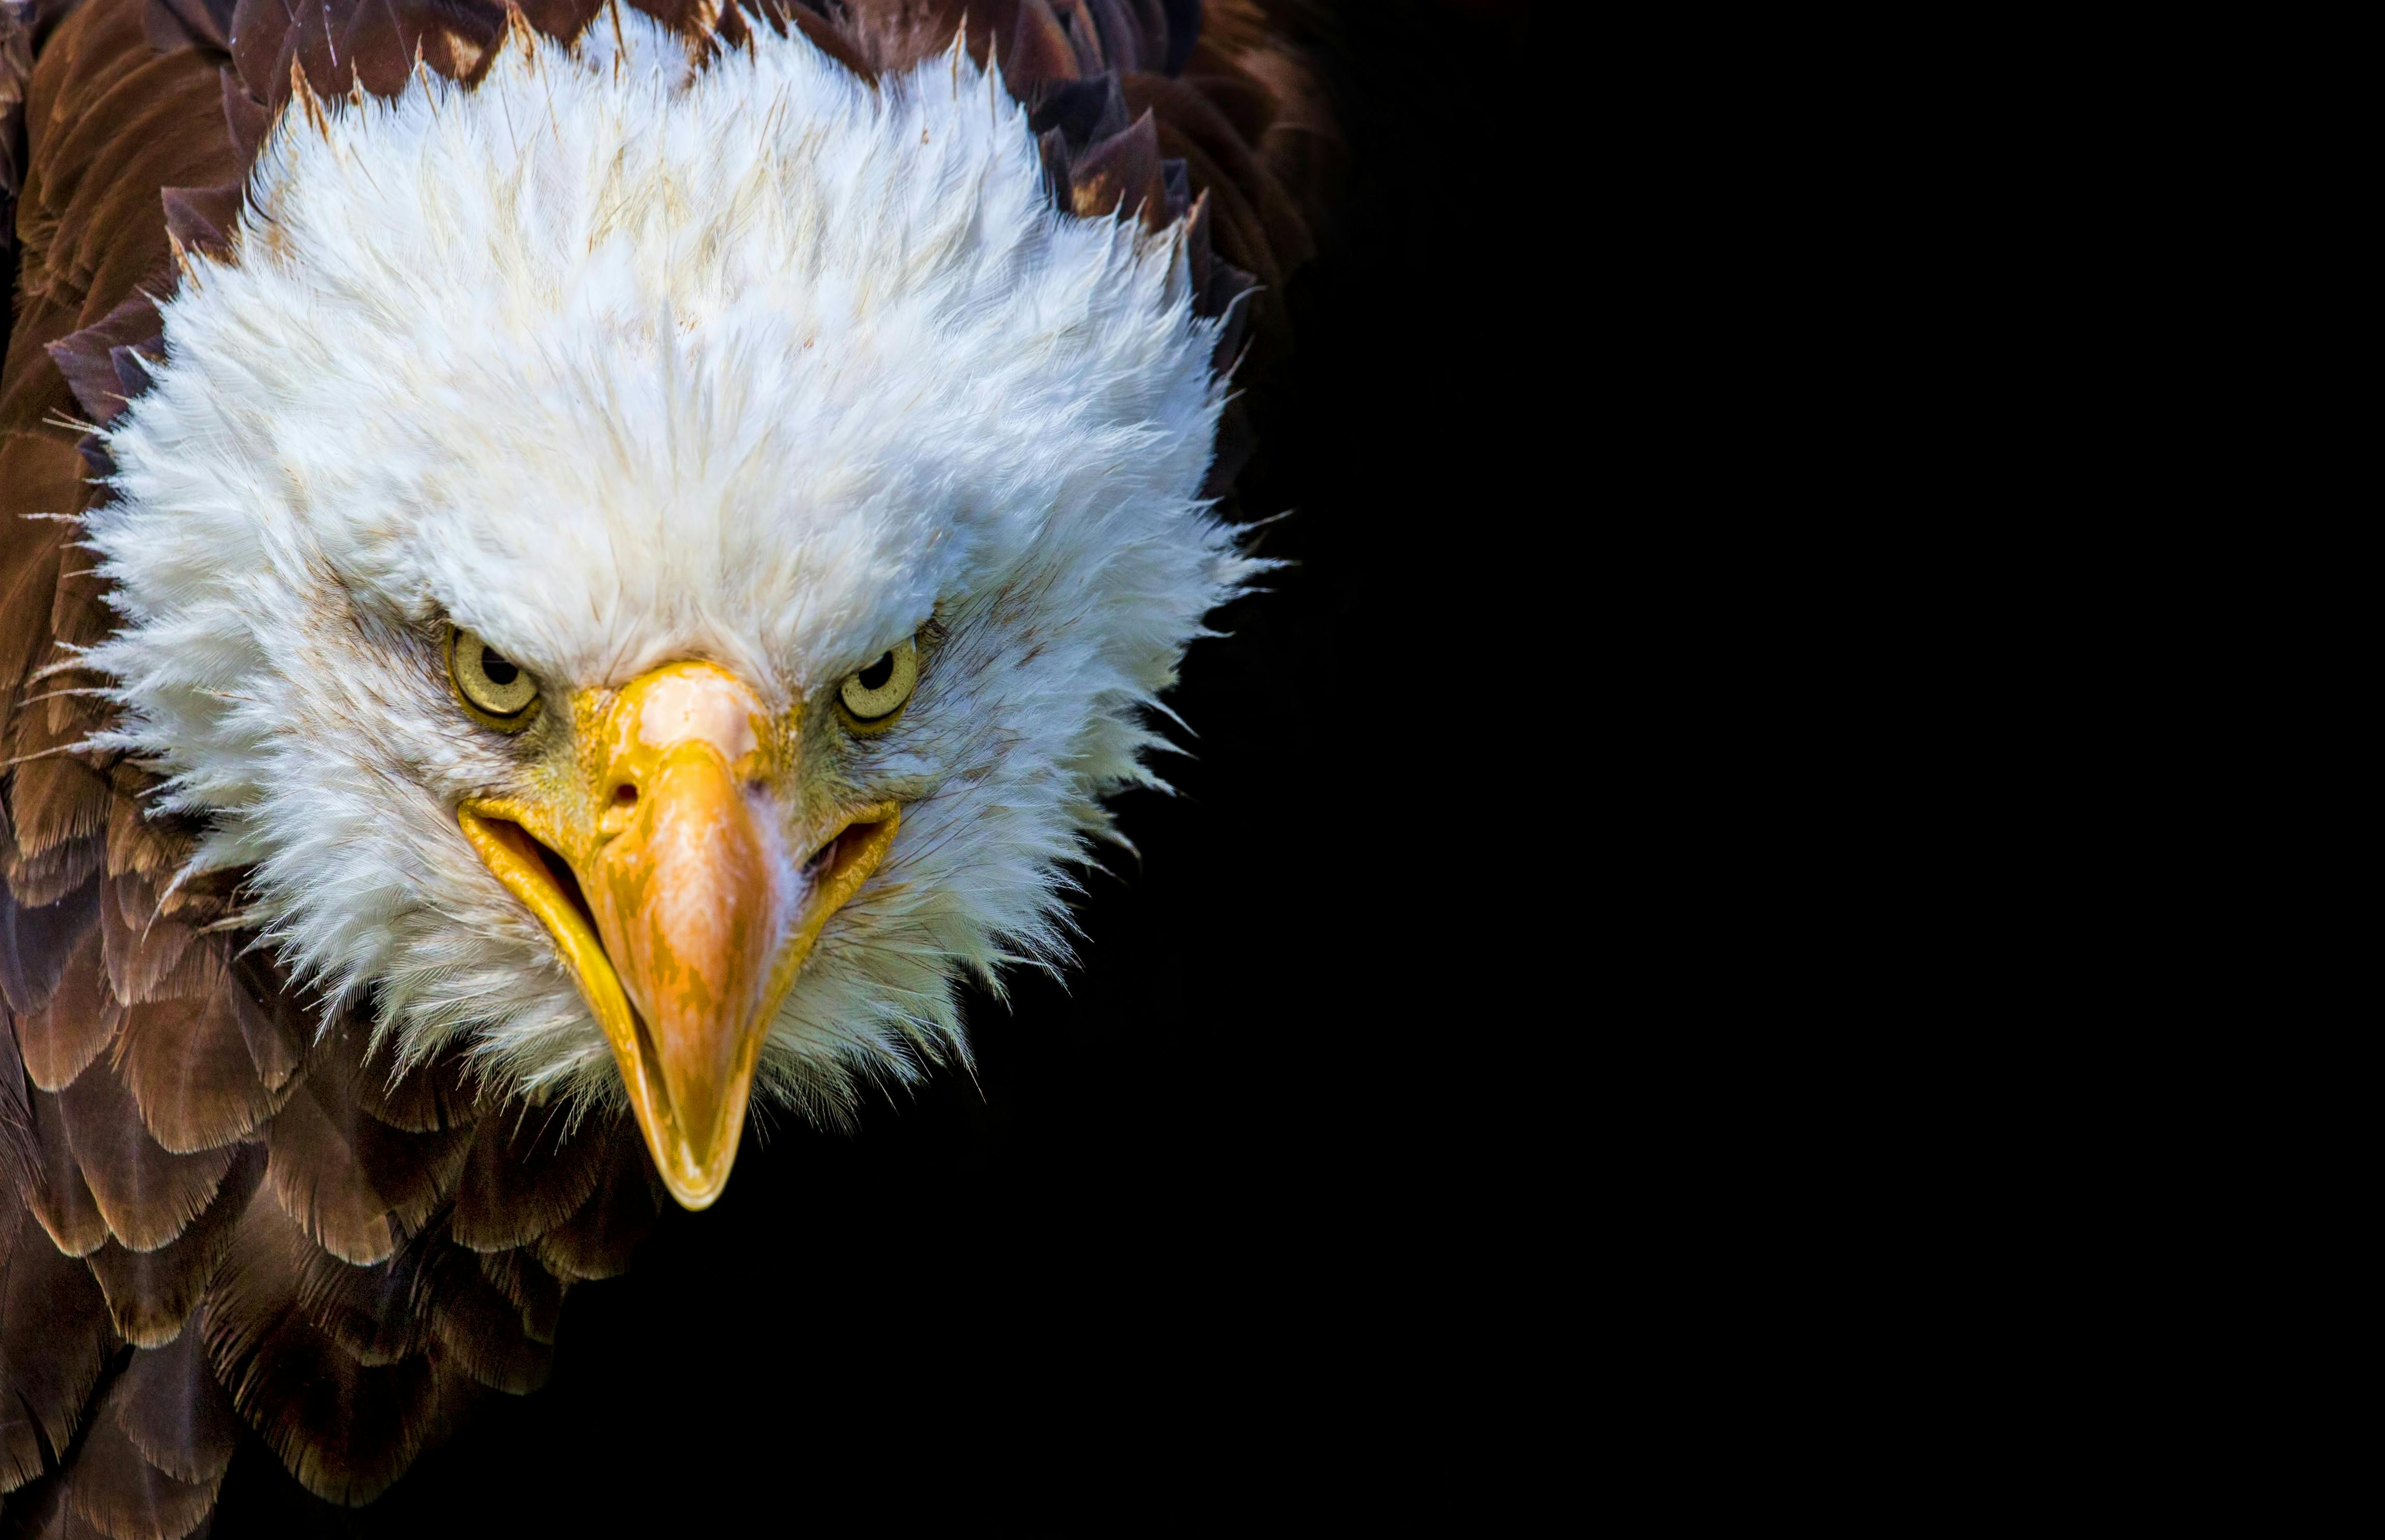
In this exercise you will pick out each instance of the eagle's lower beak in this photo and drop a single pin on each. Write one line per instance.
(684, 921)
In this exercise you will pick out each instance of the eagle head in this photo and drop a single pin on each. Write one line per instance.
(650, 565)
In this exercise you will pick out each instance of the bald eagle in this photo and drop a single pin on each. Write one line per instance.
(566, 573)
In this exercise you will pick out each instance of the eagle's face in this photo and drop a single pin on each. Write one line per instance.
(653, 565)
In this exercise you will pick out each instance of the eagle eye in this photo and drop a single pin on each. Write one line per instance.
(873, 696)
(495, 691)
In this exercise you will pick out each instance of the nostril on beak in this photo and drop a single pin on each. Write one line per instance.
(625, 795)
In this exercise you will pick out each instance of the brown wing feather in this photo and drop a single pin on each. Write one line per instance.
(482, 1331)
(315, 1175)
(29, 560)
(54, 877)
(342, 1428)
(139, 844)
(534, 1291)
(112, 1486)
(37, 936)
(14, 1222)
(524, 1176)
(150, 1294)
(186, 1062)
(1124, 170)
(367, 1310)
(343, 1423)
(150, 956)
(147, 1194)
(272, 1023)
(598, 1240)
(82, 1017)
(429, 1099)
(20, 1445)
(54, 1339)
(56, 800)
(58, 1195)
(354, 1183)
(176, 1414)
(19, 1154)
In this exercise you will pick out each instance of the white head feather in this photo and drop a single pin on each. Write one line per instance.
(617, 360)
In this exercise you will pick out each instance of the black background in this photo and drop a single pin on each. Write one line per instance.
(1194, 1227)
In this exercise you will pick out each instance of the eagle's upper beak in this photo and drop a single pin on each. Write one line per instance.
(663, 878)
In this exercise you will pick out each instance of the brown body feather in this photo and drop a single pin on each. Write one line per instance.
(222, 1218)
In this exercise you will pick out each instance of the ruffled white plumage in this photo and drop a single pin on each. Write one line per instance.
(617, 359)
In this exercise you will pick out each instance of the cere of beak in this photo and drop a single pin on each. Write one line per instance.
(683, 936)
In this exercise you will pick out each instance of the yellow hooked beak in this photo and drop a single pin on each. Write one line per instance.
(656, 880)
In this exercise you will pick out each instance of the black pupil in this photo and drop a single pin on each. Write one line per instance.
(498, 671)
(877, 674)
